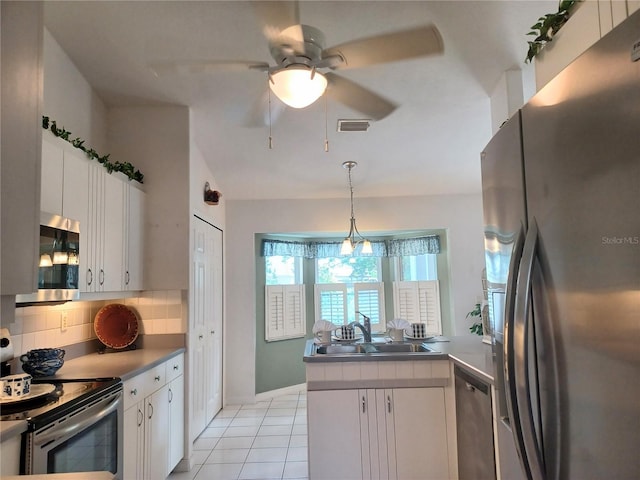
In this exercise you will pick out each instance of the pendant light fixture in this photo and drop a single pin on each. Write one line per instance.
(354, 237)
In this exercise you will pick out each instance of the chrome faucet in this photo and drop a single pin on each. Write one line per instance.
(366, 329)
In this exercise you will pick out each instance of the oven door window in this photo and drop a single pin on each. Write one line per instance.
(93, 449)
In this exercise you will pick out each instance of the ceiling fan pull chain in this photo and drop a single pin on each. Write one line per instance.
(326, 130)
(269, 92)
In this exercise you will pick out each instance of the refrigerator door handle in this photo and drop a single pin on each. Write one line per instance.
(509, 351)
(535, 464)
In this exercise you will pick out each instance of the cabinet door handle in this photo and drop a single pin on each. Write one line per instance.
(89, 277)
(212, 332)
(469, 387)
(389, 403)
(364, 405)
(101, 277)
(175, 367)
(126, 277)
(134, 392)
(140, 417)
(150, 410)
(170, 395)
(157, 378)
(200, 337)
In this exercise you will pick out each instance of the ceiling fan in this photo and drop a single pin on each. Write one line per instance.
(304, 67)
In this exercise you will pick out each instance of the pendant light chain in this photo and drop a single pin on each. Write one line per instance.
(351, 192)
(354, 237)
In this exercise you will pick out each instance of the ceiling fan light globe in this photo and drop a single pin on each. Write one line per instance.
(297, 87)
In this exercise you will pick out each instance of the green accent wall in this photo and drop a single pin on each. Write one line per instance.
(279, 364)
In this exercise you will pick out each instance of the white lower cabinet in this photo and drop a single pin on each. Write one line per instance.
(397, 433)
(335, 437)
(154, 421)
(176, 417)
(133, 450)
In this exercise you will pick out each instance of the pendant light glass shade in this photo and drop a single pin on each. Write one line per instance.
(347, 248)
(298, 85)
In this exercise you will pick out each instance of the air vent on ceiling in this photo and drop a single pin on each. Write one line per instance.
(353, 125)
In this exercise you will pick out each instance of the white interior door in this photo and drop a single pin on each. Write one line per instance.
(214, 332)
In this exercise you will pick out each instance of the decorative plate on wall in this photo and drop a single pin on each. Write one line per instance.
(116, 326)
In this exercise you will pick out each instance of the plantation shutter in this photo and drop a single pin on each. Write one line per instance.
(331, 302)
(369, 300)
(419, 302)
(284, 312)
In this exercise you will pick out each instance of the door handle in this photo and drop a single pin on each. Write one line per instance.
(521, 329)
(508, 347)
(80, 423)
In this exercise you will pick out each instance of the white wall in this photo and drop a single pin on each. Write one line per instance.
(513, 90)
(70, 100)
(199, 174)
(461, 215)
(156, 140)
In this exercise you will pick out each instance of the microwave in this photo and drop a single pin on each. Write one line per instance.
(59, 261)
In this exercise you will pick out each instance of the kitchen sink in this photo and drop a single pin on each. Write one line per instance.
(378, 348)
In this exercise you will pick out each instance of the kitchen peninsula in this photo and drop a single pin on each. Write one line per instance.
(387, 415)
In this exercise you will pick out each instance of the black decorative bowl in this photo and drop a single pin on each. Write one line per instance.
(42, 362)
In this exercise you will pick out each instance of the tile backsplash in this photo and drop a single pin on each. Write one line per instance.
(159, 312)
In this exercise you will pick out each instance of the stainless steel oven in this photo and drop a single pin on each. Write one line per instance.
(80, 430)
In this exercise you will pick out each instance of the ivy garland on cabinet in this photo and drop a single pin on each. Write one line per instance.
(123, 167)
(547, 26)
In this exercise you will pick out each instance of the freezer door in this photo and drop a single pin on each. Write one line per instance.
(503, 199)
(581, 140)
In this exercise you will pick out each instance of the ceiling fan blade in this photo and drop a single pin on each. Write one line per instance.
(276, 16)
(390, 47)
(205, 66)
(259, 116)
(358, 97)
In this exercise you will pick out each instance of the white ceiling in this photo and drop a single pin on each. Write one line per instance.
(429, 145)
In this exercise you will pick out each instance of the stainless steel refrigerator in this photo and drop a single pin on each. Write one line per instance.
(561, 194)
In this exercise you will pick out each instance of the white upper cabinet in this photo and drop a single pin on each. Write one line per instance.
(590, 21)
(133, 248)
(110, 209)
(51, 178)
(112, 270)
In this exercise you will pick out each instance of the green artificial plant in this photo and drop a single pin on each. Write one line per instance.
(476, 327)
(124, 167)
(547, 26)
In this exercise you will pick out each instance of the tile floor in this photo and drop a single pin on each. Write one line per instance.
(260, 441)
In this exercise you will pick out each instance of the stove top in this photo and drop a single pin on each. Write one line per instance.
(66, 394)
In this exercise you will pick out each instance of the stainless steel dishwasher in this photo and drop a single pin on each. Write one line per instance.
(474, 425)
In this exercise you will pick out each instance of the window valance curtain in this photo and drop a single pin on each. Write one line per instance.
(414, 246)
(381, 248)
